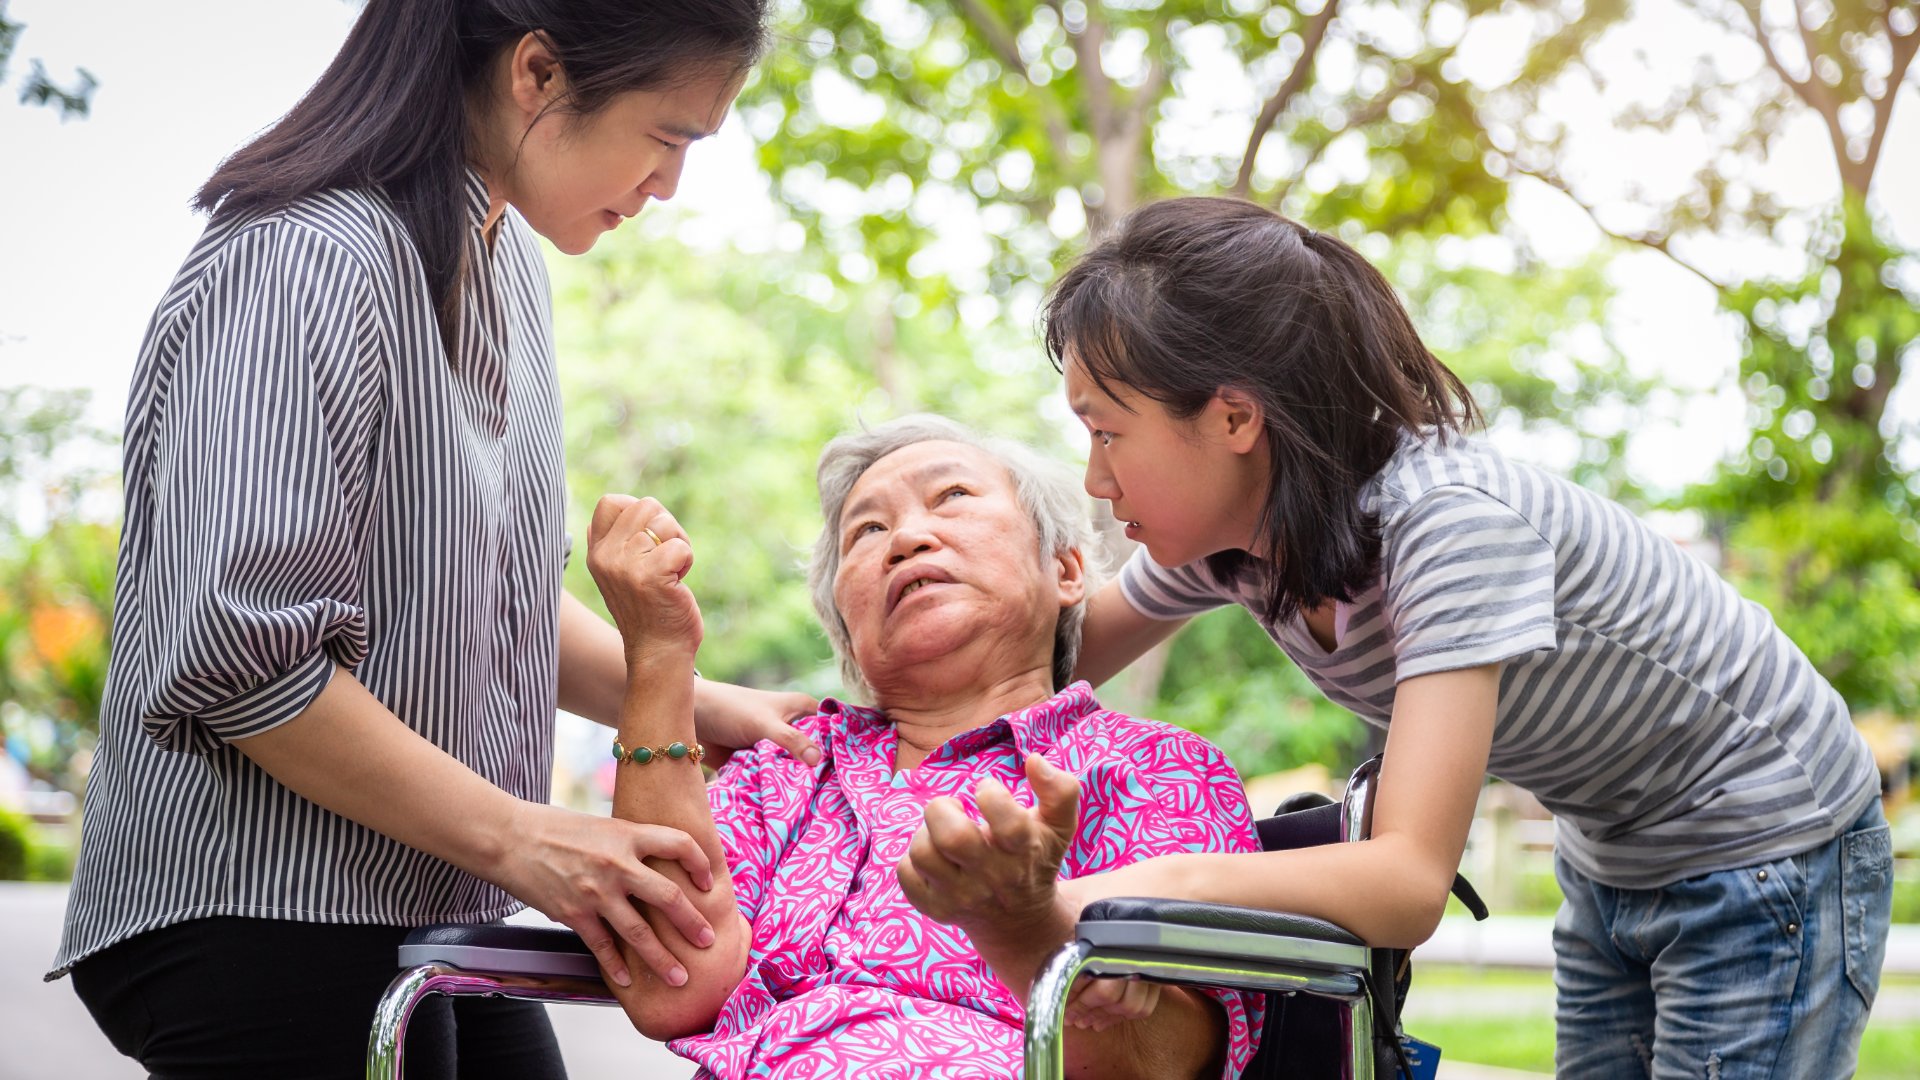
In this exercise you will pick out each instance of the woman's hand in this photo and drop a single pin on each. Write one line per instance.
(731, 718)
(1098, 1004)
(638, 555)
(1002, 877)
(585, 872)
(999, 881)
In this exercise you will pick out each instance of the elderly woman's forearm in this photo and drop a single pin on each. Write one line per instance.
(657, 712)
(663, 790)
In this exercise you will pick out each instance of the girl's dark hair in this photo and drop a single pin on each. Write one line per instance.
(1191, 296)
(390, 112)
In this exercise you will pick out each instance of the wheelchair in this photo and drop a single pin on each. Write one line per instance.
(1333, 1007)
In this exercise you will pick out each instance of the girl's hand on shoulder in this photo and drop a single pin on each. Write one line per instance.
(639, 555)
(585, 872)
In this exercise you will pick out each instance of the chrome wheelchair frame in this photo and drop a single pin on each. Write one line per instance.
(1167, 940)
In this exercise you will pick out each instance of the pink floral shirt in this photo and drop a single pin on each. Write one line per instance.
(845, 978)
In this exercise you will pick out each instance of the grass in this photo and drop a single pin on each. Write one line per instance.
(1524, 1040)
(1491, 1040)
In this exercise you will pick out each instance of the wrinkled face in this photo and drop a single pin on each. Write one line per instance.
(939, 566)
(1183, 488)
(576, 177)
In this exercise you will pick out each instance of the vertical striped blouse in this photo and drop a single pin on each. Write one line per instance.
(310, 482)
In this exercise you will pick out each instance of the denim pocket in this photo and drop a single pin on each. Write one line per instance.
(1780, 889)
(1866, 904)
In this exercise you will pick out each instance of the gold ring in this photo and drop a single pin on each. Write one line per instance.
(654, 536)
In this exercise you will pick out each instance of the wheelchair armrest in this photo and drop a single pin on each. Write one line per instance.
(500, 949)
(1219, 932)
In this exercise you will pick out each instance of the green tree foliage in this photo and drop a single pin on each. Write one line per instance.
(16, 838)
(712, 380)
(56, 586)
(49, 704)
(1225, 680)
(39, 88)
(889, 127)
(1817, 515)
(36, 427)
(1531, 342)
(55, 611)
(944, 157)
(884, 122)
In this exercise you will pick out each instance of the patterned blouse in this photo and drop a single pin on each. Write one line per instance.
(844, 977)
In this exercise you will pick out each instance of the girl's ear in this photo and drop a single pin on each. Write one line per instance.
(1070, 570)
(1239, 419)
(535, 80)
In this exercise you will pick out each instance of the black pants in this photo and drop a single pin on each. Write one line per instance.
(251, 998)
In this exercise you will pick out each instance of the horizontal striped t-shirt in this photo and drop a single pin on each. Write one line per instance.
(312, 481)
(1664, 720)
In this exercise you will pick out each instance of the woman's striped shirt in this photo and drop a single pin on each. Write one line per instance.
(1667, 723)
(310, 482)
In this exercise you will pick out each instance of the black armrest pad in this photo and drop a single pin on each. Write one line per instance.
(1215, 917)
(500, 936)
(1307, 825)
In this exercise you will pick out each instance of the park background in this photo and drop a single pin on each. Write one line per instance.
(1672, 245)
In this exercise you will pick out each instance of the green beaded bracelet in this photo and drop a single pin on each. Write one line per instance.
(641, 755)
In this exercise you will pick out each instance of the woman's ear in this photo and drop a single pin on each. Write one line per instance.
(1237, 418)
(535, 79)
(1070, 570)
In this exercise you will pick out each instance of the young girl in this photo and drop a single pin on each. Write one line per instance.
(1269, 426)
(339, 635)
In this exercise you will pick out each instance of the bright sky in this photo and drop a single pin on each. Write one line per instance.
(94, 217)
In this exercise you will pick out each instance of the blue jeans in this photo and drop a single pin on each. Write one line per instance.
(1762, 971)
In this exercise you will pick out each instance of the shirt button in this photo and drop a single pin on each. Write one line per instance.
(1762, 875)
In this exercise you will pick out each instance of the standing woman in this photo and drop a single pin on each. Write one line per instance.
(340, 635)
(1268, 423)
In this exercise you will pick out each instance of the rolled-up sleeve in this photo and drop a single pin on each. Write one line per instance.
(257, 491)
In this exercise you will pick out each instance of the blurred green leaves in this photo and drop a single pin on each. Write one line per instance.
(56, 585)
(72, 99)
(943, 158)
(711, 381)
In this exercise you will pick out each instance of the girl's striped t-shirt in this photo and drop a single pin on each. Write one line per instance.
(312, 481)
(1666, 721)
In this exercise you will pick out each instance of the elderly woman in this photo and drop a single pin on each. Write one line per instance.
(881, 910)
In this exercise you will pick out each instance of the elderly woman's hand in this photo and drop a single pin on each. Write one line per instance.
(997, 879)
(638, 555)
(1098, 1004)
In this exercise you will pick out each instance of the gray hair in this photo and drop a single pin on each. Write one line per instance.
(1047, 489)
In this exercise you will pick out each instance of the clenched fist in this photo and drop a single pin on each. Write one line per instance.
(639, 556)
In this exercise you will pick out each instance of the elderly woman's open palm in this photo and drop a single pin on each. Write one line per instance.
(999, 874)
(639, 555)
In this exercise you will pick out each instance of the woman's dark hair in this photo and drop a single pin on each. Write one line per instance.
(1191, 296)
(390, 112)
